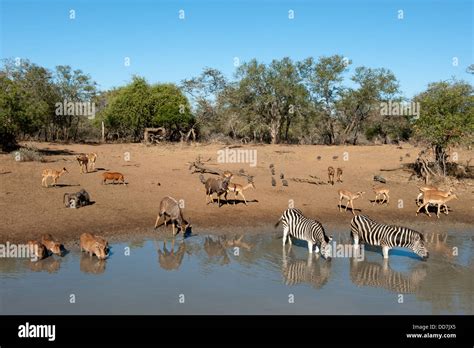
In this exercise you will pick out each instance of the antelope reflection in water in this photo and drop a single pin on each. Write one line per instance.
(314, 271)
(216, 249)
(170, 259)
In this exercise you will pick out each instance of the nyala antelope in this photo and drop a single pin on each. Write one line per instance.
(331, 174)
(238, 190)
(83, 161)
(169, 208)
(92, 157)
(339, 175)
(217, 186)
(55, 174)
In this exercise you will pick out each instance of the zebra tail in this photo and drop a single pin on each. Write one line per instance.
(278, 222)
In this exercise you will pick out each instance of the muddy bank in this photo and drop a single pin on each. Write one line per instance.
(28, 210)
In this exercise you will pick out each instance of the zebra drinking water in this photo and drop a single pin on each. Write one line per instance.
(297, 225)
(370, 232)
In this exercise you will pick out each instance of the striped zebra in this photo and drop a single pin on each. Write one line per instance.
(376, 275)
(298, 271)
(297, 225)
(368, 231)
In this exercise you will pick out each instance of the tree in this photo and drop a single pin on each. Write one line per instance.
(205, 91)
(138, 105)
(269, 95)
(357, 105)
(446, 116)
(72, 86)
(27, 99)
(323, 79)
(170, 109)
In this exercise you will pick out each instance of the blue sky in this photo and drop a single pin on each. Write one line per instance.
(418, 48)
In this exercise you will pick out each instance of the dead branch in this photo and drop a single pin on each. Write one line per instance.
(307, 181)
(198, 167)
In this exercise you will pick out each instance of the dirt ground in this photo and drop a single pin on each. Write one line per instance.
(152, 172)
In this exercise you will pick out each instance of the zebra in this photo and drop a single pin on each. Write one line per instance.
(297, 225)
(370, 232)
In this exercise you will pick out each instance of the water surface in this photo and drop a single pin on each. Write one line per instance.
(248, 274)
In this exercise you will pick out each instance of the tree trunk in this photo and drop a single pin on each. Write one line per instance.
(440, 155)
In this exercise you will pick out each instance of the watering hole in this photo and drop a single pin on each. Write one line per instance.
(245, 274)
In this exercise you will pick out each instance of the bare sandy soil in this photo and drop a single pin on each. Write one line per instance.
(28, 210)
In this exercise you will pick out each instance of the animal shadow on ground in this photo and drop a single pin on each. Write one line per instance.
(5, 173)
(348, 208)
(64, 185)
(434, 209)
(223, 202)
(378, 201)
(240, 201)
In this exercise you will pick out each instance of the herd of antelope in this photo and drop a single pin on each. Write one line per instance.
(428, 195)
(170, 210)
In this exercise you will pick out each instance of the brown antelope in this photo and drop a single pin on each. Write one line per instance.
(55, 174)
(113, 176)
(432, 197)
(426, 188)
(331, 173)
(92, 157)
(217, 186)
(381, 191)
(238, 190)
(169, 207)
(339, 175)
(349, 196)
(83, 161)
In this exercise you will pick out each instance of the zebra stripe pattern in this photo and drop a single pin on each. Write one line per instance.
(366, 230)
(300, 271)
(372, 274)
(297, 225)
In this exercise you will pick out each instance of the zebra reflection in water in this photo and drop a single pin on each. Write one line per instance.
(380, 275)
(314, 271)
